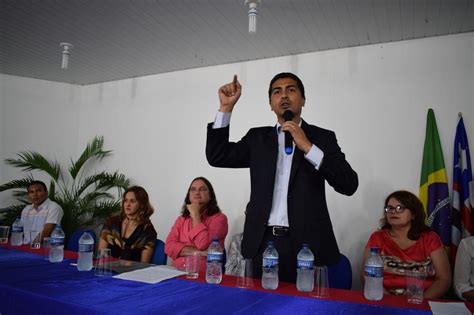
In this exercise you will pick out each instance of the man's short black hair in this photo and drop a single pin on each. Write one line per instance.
(286, 75)
(37, 182)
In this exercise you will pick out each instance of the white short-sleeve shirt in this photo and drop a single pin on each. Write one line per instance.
(34, 219)
(464, 267)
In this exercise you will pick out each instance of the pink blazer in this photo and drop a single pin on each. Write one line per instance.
(184, 234)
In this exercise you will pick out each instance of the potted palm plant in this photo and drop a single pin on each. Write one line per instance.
(86, 198)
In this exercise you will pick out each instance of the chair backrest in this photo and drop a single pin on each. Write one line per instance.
(340, 274)
(73, 241)
(159, 257)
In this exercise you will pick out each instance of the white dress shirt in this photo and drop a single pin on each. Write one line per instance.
(464, 267)
(279, 211)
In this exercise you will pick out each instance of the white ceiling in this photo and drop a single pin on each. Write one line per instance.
(118, 39)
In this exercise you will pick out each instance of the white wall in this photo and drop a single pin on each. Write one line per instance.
(374, 97)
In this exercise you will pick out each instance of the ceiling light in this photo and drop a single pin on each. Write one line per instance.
(252, 14)
(66, 47)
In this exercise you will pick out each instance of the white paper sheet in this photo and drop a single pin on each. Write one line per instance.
(153, 274)
(451, 308)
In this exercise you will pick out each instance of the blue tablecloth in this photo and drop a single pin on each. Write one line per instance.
(29, 284)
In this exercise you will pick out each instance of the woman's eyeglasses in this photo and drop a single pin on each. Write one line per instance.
(396, 209)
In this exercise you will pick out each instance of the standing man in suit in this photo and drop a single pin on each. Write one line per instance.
(287, 200)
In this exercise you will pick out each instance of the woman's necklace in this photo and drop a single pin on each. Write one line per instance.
(127, 224)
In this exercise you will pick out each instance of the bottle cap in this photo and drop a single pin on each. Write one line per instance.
(374, 250)
(272, 243)
(305, 245)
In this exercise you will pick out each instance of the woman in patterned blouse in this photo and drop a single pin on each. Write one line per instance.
(131, 235)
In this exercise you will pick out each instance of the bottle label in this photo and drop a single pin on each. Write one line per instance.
(304, 264)
(86, 248)
(374, 271)
(214, 257)
(57, 241)
(17, 229)
(269, 262)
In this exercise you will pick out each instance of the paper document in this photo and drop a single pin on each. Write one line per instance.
(451, 308)
(153, 274)
(121, 266)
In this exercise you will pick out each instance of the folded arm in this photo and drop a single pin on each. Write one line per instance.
(215, 228)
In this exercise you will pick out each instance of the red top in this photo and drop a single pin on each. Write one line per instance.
(397, 261)
(184, 234)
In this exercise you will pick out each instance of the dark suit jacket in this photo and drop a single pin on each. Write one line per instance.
(307, 210)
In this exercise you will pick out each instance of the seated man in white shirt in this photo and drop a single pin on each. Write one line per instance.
(464, 269)
(42, 215)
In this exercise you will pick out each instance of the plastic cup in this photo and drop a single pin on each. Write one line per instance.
(46, 247)
(192, 265)
(4, 230)
(320, 282)
(102, 264)
(35, 239)
(415, 280)
(245, 277)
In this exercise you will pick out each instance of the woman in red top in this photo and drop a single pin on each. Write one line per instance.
(200, 222)
(406, 243)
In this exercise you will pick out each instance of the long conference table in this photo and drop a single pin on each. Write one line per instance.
(30, 284)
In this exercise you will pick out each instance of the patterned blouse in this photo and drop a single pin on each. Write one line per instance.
(143, 237)
(397, 261)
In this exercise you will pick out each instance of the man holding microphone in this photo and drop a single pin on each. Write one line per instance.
(287, 201)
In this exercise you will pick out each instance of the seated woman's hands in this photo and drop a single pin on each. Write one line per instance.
(194, 209)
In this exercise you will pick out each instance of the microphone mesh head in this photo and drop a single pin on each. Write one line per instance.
(288, 115)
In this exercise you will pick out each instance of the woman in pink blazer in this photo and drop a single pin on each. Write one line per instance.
(200, 222)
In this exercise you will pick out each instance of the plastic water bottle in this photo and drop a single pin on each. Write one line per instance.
(17, 232)
(270, 267)
(56, 252)
(214, 263)
(373, 287)
(305, 270)
(85, 252)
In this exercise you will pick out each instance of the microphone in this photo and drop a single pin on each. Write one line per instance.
(287, 116)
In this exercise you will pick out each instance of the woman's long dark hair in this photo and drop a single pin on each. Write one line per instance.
(146, 210)
(212, 206)
(414, 205)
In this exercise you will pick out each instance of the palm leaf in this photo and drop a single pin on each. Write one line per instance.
(10, 213)
(116, 179)
(13, 208)
(91, 199)
(52, 190)
(17, 183)
(21, 195)
(102, 182)
(85, 202)
(97, 215)
(30, 160)
(92, 150)
(102, 211)
(86, 184)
